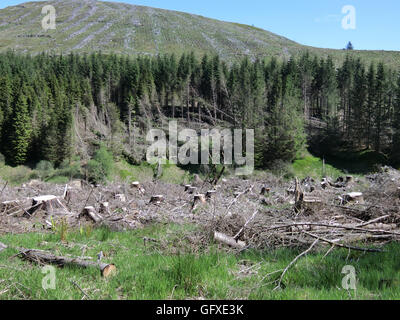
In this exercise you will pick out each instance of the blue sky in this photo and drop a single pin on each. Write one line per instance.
(310, 22)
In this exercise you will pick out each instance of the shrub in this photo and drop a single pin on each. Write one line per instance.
(101, 166)
(44, 169)
(70, 169)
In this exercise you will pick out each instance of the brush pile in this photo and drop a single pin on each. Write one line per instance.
(359, 213)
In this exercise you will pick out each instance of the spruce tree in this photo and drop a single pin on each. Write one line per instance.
(395, 152)
(20, 130)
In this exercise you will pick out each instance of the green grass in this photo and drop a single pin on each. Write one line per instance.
(171, 269)
(174, 174)
(313, 167)
(17, 175)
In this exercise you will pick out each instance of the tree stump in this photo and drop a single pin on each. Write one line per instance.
(298, 197)
(210, 194)
(191, 190)
(105, 208)
(349, 179)
(52, 205)
(265, 191)
(157, 199)
(354, 197)
(199, 198)
(136, 185)
(325, 183)
(121, 197)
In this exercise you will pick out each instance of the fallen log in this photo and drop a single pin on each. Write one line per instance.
(223, 238)
(90, 213)
(39, 256)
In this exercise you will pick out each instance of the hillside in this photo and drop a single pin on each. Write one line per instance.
(88, 25)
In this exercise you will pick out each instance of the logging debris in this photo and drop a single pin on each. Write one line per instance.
(294, 213)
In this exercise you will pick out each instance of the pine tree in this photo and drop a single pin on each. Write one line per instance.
(20, 130)
(395, 152)
(5, 103)
(349, 46)
(379, 114)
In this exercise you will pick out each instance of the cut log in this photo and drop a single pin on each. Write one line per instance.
(39, 256)
(187, 186)
(354, 197)
(230, 241)
(157, 199)
(91, 214)
(52, 205)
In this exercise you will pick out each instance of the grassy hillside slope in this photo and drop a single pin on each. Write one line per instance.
(88, 25)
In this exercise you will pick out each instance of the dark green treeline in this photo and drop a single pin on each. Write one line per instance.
(348, 108)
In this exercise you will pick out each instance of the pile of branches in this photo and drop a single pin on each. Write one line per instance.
(322, 216)
(267, 212)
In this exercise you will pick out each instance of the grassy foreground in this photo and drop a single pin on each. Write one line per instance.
(172, 269)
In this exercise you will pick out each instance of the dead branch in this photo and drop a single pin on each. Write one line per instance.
(293, 262)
